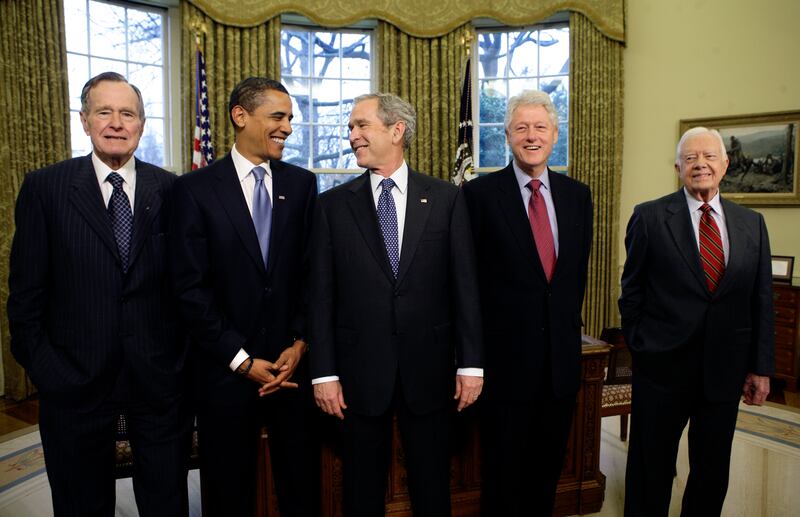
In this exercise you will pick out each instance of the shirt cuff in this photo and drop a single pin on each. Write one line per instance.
(238, 359)
(470, 372)
(329, 378)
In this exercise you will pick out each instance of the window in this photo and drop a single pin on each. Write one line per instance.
(324, 71)
(512, 61)
(131, 40)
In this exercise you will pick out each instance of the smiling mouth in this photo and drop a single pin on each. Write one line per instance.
(357, 147)
(532, 147)
(279, 141)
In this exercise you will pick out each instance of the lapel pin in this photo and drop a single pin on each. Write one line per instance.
(283, 198)
(423, 200)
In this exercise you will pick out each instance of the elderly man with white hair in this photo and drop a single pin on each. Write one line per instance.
(696, 309)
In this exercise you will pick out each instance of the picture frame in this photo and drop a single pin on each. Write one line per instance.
(762, 154)
(782, 269)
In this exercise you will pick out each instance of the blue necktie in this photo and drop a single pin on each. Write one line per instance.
(387, 217)
(262, 212)
(119, 210)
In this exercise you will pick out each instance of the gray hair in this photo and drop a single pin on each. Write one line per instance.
(695, 131)
(391, 109)
(113, 77)
(531, 98)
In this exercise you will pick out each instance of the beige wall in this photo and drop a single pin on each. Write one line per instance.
(704, 58)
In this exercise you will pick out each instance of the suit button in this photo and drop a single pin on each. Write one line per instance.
(262, 331)
(267, 290)
(122, 299)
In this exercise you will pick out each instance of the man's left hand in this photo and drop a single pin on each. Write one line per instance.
(284, 368)
(468, 389)
(756, 389)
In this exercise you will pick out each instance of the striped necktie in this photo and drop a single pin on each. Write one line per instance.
(540, 227)
(711, 252)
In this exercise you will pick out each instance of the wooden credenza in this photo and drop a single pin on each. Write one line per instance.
(580, 489)
(787, 333)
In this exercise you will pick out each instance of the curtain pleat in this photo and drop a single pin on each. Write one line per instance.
(34, 130)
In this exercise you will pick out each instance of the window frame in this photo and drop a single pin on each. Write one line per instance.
(559, 20)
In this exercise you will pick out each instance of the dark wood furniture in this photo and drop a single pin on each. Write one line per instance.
(617, 388)
(787, 333)
(580, 490)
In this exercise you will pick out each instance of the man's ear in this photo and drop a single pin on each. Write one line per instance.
(239, 116)
(398, 130)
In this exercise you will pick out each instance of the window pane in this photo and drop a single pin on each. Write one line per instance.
(522, 53)
(298, 89)
(107, 30)
(149, 80)
(75, 19)
(326, 181)
(558, 88)
(517, 86)
(356, 53)
(492, 146)
(78, 74)
(554, 51)
(348, 160)
(99, 66)
(296, 150)
(151, 145)
(492, 101)
(492, 47)
(81, 145)
(326, 55)
(351, 90)
(327, 97)
(326, 146)
(559, 155)
(295, 52)
(144, 37)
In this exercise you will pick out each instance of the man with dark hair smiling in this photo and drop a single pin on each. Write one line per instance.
(237, 245)
(92, 319)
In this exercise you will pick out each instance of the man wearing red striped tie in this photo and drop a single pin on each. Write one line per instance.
(696, 310)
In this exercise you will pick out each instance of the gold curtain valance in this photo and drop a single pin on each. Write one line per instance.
(420, 18)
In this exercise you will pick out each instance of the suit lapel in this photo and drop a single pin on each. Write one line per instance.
(510, 201)
(88, 200)
(565, 213)
(280, 209)
(417, 213)
(229, 192)
(737, 250)
(147, 204)
(680, 227)
(362, 206)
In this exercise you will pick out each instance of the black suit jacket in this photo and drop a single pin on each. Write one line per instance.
(76, 319)
(367, 327)
(666, 305)
(532, 328)
(227, 297)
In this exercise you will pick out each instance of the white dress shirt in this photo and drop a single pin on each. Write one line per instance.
(128, 173)
(523, 180)
(716, 213)
(244, 170)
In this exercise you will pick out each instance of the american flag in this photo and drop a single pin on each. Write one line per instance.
(462, 171)
(202, 150)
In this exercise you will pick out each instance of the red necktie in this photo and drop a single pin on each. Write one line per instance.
(540, 227)
(711, 253)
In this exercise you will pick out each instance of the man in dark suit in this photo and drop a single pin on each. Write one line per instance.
(696, 309)
(237, 245)
(92, 320)
(533, 233)
(394, 312)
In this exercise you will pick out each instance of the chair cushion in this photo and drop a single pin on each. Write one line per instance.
(616, 395)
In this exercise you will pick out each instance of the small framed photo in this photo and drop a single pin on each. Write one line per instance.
(782, 269)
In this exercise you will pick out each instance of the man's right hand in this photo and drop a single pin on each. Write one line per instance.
(263, 373)
(329, 398)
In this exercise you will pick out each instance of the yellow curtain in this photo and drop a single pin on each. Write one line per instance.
(231, 54)
(595, 147)
(428, 73)
(35, 130)
(421, 18)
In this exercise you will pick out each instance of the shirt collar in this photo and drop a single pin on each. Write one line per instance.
(244, 166)
(695, 204)
(400, 178)
(523, 179)
(127, 171)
